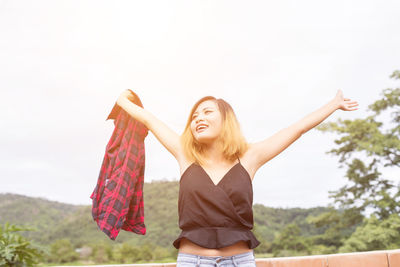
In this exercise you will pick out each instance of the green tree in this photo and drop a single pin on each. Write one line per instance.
(146, 252)
(264, 246)
(338, 224)
(375, 234)
(366, 146)
(160, 253)
(62, 251)
(16, 250)
(127, 253)
(289, 239)
(102, 252)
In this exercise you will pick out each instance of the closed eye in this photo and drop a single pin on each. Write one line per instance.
(206, 112)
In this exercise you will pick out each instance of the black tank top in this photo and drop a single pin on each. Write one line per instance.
(216, 215)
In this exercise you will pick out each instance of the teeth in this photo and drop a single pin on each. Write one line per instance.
(201, 127)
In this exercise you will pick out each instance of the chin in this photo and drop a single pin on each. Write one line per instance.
(205, 140)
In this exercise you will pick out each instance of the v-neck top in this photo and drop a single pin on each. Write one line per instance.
(216, 215)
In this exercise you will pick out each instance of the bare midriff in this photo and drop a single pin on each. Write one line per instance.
(186, 246)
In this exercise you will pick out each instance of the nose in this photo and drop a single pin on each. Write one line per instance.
(199, 118)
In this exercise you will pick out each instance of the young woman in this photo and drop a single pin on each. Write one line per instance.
(217, 168)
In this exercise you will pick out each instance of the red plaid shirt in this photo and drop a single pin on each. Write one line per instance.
(118, 195)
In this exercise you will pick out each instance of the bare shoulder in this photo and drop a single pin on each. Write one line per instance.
(248, 161)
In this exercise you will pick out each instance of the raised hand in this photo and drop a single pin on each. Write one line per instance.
(345, 103)
(127, 94)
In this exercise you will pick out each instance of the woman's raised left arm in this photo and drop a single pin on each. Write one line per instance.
(262, 152)
(316, 117)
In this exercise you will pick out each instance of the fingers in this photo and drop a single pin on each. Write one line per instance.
(348, 104)
(348, 99)
(352, 107)
(354, 103)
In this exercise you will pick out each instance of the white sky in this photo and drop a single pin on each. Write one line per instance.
(64, 63)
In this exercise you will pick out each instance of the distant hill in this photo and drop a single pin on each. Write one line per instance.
(54, 220)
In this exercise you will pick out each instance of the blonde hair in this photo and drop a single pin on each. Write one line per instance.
(231, 140)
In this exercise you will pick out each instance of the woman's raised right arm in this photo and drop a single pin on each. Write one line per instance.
(167, 137)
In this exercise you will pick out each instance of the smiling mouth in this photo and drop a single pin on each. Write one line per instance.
(201, 128)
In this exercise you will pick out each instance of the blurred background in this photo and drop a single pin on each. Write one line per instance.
(64, 63)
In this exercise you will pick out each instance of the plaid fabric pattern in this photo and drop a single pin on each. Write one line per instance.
(118, 195)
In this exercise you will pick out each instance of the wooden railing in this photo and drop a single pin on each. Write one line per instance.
(383, 258)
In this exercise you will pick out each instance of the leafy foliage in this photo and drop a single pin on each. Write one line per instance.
(290, 239)
(367, 188)
(38, 213)
(62, 251)
(366, 147)
(375, 234)
(102, 252)
(15, 250)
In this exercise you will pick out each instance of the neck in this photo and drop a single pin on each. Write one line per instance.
(213, 154)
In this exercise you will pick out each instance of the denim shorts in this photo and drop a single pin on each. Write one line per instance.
(239, 260)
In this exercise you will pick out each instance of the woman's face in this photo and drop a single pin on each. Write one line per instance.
(206, 122)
